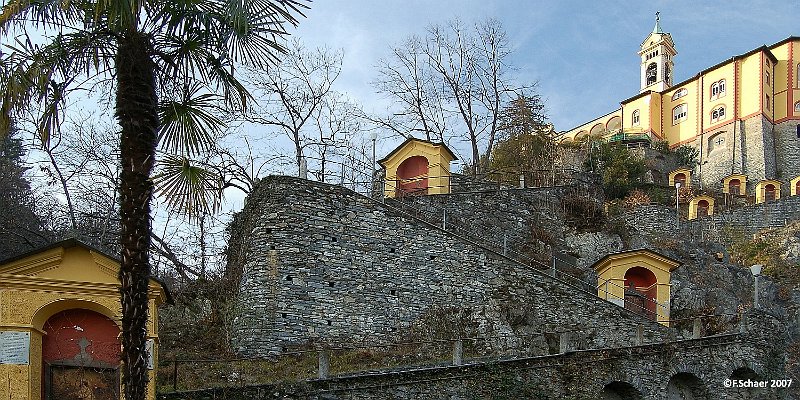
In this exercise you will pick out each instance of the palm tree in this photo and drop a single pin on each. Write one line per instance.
(168, 63)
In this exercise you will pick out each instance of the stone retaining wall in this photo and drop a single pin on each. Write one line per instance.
(323, 264)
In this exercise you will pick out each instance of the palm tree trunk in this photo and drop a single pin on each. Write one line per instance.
(136, 112)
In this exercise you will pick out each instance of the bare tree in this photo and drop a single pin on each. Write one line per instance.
(293, 93)
(451, 85)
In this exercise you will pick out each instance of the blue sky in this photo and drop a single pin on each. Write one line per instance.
(583, 54)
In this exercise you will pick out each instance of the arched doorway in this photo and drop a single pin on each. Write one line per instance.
(641, 291)
(620, 391)
(412, 175)
(80, 356)
(797, 188)
(686, 386)
(745, 393)
(680, 178)
(734, 187)
(702, 208)
(769, 192)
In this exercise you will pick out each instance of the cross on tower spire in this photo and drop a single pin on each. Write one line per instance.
(657, 28)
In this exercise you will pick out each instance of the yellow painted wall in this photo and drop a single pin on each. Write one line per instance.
(686, 130)
(643, 105)
(726, 72)
(37, 287)
(750, 79)
(793, 186)
(780, 76)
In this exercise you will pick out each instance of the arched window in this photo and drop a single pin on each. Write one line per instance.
(679, 93)
(666, 73)
(679, 114)
(718, 89)
(718, 114)
(650, 73)
(797, 107)
(635, 117)
(597, 129)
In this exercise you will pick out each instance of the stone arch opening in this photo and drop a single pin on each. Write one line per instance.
(641, 291)
(769, 192)
(80, 356)
(744, 393)
(412, 175)
(797, 188)
(702, 208)
(734, 186)
(618, 390)
(686, 386)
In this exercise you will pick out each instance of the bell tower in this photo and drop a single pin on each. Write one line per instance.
(657, 52)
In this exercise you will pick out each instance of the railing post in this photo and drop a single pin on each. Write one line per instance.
(639, 335)
(174, 373)
(522, 181)
(697, 328)
(444, 219)
(324, 364)
(563, 342)
(458, 352)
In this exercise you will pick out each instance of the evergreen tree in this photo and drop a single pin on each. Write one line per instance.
(526, 145)
(21, 229)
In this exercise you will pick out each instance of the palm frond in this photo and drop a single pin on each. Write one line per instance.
(187, 187)
(42, 13)
(186, 123)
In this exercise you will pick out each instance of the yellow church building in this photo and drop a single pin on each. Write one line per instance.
(742, 114)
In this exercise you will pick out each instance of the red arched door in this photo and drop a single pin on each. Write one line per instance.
(80, 356)
(641, 291)
(412, 175)
(702, 208)
(680, 178)
(769, 192)
(734, 186)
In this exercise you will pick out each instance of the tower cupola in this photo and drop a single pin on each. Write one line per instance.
(657, 53)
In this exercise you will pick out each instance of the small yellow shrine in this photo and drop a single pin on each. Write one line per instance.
(735, 184)
(638, 280)
(60, 319)
(794, 187)
(682, 176)
(701, 206)
(417, 167)
(768, 190)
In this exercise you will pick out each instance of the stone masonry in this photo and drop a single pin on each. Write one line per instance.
(693, 369)
(322, 264)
